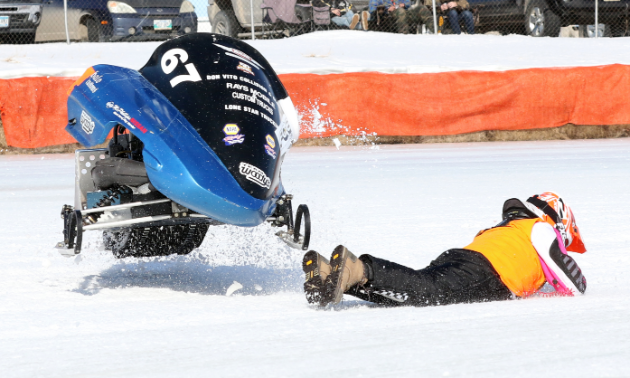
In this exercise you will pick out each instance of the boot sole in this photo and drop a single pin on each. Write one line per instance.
(364, 20)
(313, 284)
(355, 21)
(332, 292)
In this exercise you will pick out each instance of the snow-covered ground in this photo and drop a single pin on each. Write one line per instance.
(342, 51)
(95, 316)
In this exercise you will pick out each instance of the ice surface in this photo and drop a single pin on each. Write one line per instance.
(95, 316)
(342, 51)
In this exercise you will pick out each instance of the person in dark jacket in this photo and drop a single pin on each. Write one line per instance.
(402, 12)
(457, 11)
(342, 14)
(523, 255)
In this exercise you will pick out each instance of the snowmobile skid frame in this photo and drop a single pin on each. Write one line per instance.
(129, 224)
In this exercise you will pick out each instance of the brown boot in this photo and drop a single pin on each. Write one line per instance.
(316, 269)
(354, 22)
(364, 20)
(347, 271)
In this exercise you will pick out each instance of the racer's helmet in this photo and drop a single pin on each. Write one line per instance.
(551, 208)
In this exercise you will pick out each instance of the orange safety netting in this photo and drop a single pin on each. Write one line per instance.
(459, 102)
(34, 109)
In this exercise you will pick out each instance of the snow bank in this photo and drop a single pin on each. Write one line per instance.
(342, 51)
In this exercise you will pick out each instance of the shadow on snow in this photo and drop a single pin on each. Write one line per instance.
(192, 277)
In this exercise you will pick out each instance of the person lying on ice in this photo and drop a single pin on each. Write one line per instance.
(513, 259)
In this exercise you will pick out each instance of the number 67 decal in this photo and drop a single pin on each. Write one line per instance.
(171, 59)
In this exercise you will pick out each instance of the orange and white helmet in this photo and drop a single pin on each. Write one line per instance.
(551, 208)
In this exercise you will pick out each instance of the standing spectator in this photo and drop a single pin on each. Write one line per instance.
(457, 11)
(341, 13)
(402, 12)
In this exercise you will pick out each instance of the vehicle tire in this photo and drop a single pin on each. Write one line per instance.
(225, 23)
(540, 21)
(19, 38)
(28, 39)
(618, 29)
(92, 30)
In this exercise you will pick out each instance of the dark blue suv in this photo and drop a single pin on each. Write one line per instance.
(103, 20)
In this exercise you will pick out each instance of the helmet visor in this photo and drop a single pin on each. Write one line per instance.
(577, 245)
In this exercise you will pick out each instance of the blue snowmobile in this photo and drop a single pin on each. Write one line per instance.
(198, 136)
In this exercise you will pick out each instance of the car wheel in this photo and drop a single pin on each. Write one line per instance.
(92, 30)
(28, 38)
(19, 38)
(618, 29)
(225, 23)
(540, 21)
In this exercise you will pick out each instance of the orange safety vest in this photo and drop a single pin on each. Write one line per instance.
(510, 251)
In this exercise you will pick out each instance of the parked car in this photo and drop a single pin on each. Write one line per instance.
(103, 20)
(545, 17)
(19, 20)
(234, 17)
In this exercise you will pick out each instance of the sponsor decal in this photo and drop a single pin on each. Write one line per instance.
(238, 54)
(284, 133)
(118, 111)
(91, 86)
(139, 125)
(270, 146)
(254, 174)
(86, 122)
(232, 135)
(125, 117)
(270, 141)
(86, 75)
(270, 151)
(96, 77)
(245, 68)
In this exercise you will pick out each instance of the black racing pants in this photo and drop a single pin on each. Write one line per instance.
(456, 276)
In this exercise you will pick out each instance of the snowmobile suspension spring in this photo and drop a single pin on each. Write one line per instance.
(112, 195)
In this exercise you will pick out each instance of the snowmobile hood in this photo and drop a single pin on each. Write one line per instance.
(192, 162)
(229, 94)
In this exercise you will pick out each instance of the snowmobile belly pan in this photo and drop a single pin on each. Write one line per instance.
(179, 163)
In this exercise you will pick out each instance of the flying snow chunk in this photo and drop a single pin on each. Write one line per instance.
(337, 143)
(233, 287)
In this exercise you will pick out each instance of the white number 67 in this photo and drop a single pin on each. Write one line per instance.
(170, 61)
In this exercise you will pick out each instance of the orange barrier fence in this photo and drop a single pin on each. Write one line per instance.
(34, 109)
(460, 102)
